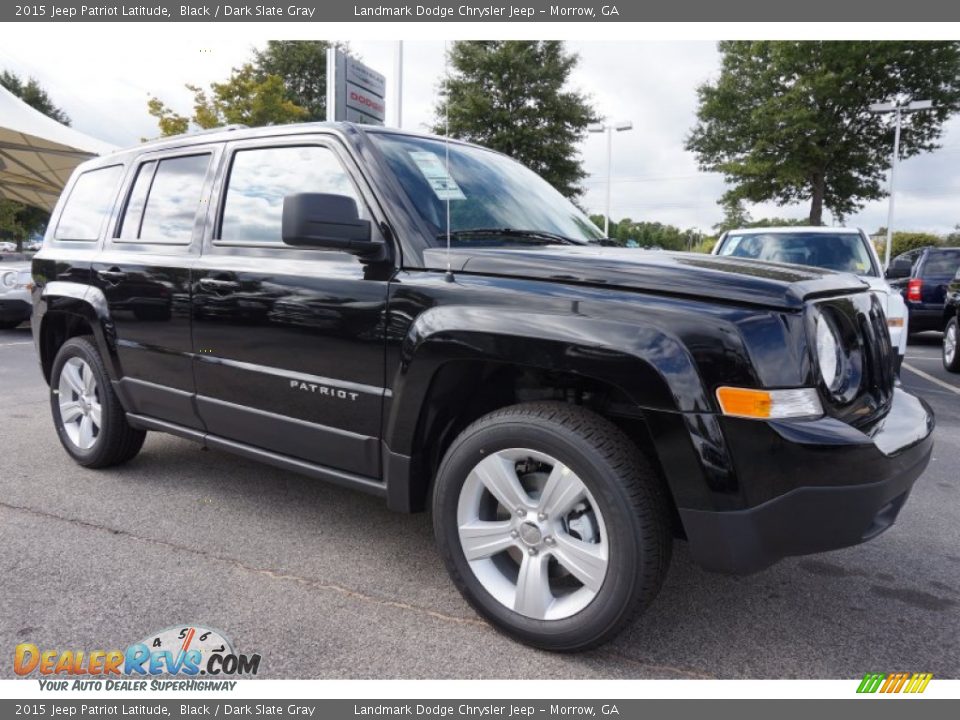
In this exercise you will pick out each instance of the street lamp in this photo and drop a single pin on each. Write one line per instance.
(608, 129)
(898, 109)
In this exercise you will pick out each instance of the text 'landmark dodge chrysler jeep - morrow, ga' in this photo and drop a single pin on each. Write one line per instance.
(565, 408)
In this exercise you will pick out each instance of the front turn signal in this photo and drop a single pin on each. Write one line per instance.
(769, 404)
(895, 322)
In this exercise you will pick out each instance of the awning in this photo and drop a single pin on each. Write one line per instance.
(37, 154)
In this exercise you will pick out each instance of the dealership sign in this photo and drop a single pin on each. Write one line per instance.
(355, 92)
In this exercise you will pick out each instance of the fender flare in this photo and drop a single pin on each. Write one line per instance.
(88, 302)
(649, 366)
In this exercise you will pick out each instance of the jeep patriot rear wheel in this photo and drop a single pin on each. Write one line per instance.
(552, 524)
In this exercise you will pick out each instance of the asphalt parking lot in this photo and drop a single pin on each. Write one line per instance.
(327, 583)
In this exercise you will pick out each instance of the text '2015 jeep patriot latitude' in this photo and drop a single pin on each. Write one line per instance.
(566, 408)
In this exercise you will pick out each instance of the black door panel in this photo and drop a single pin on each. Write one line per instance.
(144, 272)
(290, 355)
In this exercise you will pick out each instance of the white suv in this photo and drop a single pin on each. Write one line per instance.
(841, 249)
(16, 283)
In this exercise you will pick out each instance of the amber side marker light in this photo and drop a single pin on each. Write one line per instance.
(769, 404)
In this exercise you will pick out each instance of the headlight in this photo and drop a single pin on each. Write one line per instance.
(829, 358)
(8, 279)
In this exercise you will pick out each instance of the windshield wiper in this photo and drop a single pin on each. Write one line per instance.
(539, 237)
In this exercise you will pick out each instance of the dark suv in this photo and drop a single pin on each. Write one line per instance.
(923, 276)
(566, 408)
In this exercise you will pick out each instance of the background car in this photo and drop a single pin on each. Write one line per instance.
(8, 247)
(951, 328)
(923, 275)
(841, 249)
(16, 305)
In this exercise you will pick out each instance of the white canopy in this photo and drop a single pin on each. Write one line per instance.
(37, 154)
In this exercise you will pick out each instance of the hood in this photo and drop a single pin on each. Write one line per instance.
(684, 274)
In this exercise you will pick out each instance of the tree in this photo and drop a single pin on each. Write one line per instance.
(905, 242)
(17, 220)
(285, 82)
(789, 121)
(246, 97)
(510, 96)
(302, 66)
(33, 95)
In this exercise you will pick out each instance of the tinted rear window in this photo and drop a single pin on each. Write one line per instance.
(942, 262)
(89, 204)
(172, 200)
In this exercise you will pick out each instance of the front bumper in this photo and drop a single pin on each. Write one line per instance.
(14, 310)
(832, 486)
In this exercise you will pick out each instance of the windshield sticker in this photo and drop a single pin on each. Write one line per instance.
(433, 169)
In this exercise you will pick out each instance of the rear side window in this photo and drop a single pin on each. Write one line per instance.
(163, 203)
(89, 204)
(942, 262)
(261, 178)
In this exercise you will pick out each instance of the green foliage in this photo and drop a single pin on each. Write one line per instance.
(33, 95)
(245, 97)
(17, 220)
(302, 66)
(788, 121)
(905, 242)
(510, 96)
(630, 233)
(705, 246)
(286, 82)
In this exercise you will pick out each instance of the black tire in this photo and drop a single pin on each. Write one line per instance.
(953, 365)
(116, 442)
(627, 489)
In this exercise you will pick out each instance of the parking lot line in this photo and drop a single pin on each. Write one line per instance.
(931, 378)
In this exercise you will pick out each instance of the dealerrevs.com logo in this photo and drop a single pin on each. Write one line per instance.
(201, 657)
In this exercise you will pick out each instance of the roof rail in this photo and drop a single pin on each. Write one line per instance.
(221, 128)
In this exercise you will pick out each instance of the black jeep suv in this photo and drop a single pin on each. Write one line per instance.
(566, 408)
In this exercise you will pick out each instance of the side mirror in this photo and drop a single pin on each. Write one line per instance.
(899, 269)
(323, 220)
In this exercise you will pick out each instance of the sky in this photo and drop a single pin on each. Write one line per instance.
(104, 89)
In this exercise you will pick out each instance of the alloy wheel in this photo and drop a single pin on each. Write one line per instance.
(532, 534)
(81, 414)
(950, 343)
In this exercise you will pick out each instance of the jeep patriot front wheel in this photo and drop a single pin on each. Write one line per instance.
(552, 524)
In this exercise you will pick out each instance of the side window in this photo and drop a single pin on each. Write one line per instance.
(130, 224)
(163, 203)
(261, 178)
(89, 204)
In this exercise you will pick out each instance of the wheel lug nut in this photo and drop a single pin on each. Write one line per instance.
(549, 540)
(514, 534)
(521, 512)
(541, 517)
(532, 551)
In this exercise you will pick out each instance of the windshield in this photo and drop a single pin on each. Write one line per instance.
(844, 252)
(486, 190)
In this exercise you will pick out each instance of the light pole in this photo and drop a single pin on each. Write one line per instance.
(398, 85)
(608, 129)
(899, 109)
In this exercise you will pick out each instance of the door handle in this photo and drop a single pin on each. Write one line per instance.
(213, 285)
(112, 276)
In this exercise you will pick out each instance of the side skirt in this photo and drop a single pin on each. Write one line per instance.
(320, 472)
